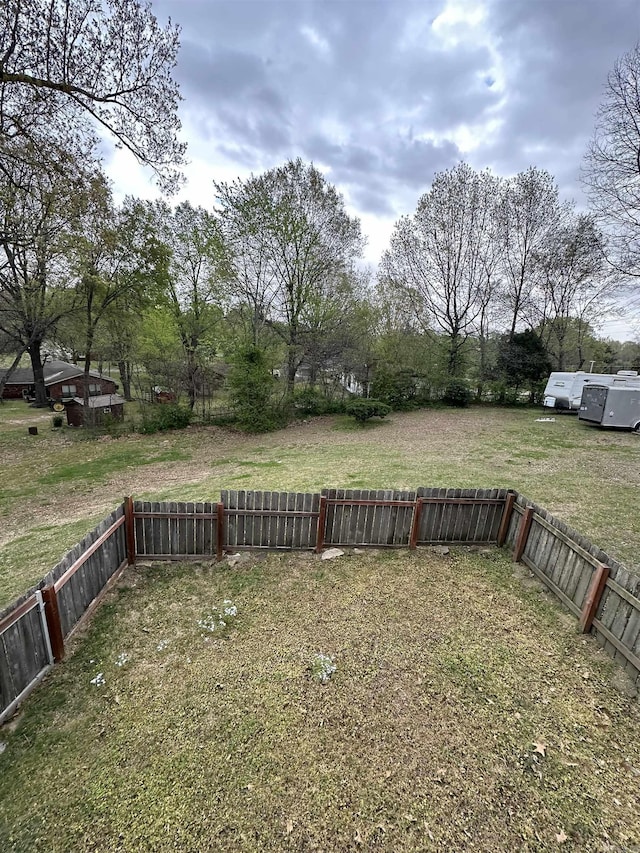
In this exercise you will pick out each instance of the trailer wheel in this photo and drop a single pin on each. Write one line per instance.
(636, 428)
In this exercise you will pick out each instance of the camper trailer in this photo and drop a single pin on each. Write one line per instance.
(616, 405)
(563, 391)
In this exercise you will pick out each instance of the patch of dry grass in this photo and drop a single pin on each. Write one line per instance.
(465, 714)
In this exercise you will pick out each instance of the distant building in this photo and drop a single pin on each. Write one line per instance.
(102, 406)
(63, 382)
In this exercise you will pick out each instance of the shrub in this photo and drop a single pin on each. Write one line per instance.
(57, 421)
(309, 401)
(159, 417)
(362, 409)
(396, 387)
(457, 393)
(250, 392)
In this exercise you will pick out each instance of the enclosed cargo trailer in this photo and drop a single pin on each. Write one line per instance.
(616, 406)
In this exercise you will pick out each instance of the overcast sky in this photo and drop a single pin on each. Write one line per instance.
(382, 94)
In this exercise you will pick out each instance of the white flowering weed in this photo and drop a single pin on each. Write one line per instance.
(122, 658)
(219, 618)
(98, 680)
(322, 668)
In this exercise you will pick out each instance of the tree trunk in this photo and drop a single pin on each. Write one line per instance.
(38, 374)
(292, 368)
(124, 368)
(454, 361)
(88, 416)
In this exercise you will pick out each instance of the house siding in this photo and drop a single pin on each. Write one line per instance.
(107, 386)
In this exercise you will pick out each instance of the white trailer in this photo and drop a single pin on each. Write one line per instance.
(563, 392)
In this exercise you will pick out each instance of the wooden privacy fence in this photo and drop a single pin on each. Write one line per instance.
(281, 520)
(33, 630)
(599, 591)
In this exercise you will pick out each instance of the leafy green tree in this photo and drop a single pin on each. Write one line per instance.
(523, 362)
(529, 211)
(38, 214)
(119, 262)
(251, 384)
(574, 283)
(197, 290)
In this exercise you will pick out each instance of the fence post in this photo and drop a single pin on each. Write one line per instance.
(219, 531)
(591, 602)
(506, 519)
(415, 525)
(322, 520)
(52, 615)
(130, 533)
(523, 534)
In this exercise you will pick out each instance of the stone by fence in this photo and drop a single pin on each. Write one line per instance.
(603, 595)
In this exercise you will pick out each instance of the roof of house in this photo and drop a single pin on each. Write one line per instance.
(101, 400)
(54, 371)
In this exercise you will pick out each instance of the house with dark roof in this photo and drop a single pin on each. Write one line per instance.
(63, 381)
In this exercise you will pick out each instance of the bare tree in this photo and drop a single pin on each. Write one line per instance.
(529, 212)
(611, 171)
(302, 242)
(441, 257)
(242, 210)
(575, 283)
(71, 68)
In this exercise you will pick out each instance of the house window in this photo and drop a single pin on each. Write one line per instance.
(94, 389)
(106, 410)
(68, 390)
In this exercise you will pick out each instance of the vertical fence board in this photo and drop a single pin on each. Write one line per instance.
(8, 690)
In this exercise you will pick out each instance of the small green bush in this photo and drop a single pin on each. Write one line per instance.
(159, 417)
(57, 421)
(362, 410)
(457, 393)
(309, 401)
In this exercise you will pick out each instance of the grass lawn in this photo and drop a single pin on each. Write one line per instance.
(465, 713)
(58, 484)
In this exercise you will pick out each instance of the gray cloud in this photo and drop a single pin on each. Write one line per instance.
(372, 91)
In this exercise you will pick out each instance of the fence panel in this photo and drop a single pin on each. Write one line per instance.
(25, 651)
(273, 520)
(173, 530)
(82, 574)
(566, 561)
(460, 516)
(380, 517)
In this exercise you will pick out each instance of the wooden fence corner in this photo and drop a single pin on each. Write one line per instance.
(523, 534)
(592, 600)
(130, 533)
(54, 626)
(506, 518)
(415, 525)
(219, 531)
(322, 521)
